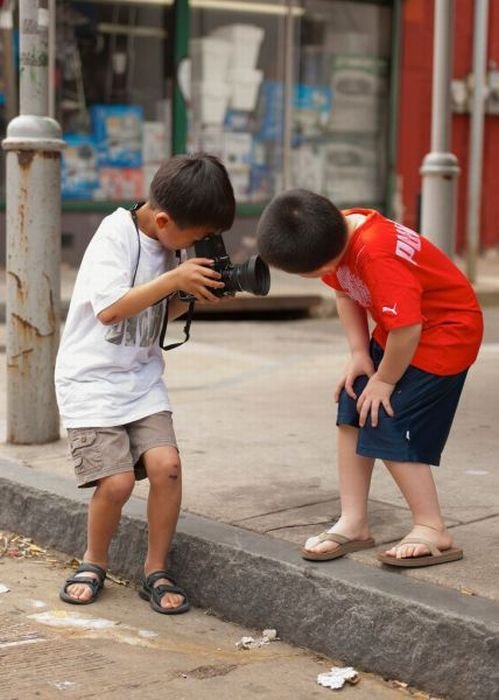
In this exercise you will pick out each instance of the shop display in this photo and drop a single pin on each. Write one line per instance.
(115, 85)
(118, 132)
(79, 167)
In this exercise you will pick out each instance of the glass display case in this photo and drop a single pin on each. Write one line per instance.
(293, 95)
(290, 93)
(113, 96)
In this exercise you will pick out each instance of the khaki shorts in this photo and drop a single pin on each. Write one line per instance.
(101, 452)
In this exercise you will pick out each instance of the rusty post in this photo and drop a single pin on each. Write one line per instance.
(33, 147)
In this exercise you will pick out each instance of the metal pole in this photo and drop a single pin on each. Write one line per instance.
(52, 8)
(476, 135)
(33, 146)
(289, 38)
(440, 167)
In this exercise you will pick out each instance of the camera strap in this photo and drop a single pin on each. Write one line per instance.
(190, 310)
(188, 320)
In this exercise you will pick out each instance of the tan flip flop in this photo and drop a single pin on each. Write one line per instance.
(437, 556)
(346, 545)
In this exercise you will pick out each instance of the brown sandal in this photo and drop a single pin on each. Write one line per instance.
(346, 546)
(436, 556)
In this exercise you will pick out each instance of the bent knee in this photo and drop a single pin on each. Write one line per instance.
(164, 469)
(117, 488)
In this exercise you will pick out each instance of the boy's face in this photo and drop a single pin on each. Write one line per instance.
(173, 237)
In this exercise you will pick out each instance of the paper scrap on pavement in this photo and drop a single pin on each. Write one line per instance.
(337, 676)
(268, 636)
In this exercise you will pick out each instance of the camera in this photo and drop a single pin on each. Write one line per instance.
(251, 276)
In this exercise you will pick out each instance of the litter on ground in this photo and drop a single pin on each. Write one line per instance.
(337, 677)
(268, 636)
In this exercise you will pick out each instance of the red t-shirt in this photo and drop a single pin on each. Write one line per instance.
(401, 278)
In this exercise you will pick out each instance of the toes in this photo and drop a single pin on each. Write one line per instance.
(322, 547)
(77, 592)
(312, 542)
(408, 551)
(172, 601)
(316, 545)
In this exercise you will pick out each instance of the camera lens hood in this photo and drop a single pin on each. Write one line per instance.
(253, 276)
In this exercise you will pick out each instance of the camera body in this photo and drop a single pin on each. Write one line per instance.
(251, 276)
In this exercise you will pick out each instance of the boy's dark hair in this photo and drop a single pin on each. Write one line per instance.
(300, 231)
(194, 190)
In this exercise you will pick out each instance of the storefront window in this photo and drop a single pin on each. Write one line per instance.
(340, 102)
(113, 96)
(293, 95)
(236, 58)
(288, 94)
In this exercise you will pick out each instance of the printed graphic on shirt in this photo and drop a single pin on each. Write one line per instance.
(142, 330)
(354, 286)
(408, 243)
(391, 310)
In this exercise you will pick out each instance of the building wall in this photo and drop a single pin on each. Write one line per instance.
(415, 113)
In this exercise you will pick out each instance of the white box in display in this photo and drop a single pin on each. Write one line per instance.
(351, 172)
(308, 167)
(237, 149)
(156, 145)
(210, 58)
(209, 102)
(245, 40)
(359, 85)
(240, 179)
(208, 138)
(244, 85)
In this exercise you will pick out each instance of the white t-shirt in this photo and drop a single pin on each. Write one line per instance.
(112, 375)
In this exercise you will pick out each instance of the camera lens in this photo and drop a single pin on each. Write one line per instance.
(252, 276)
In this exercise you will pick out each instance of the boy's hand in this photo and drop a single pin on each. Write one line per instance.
(359, 364)
(377, 393)
(196, 277)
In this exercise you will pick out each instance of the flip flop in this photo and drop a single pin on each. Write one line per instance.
(154, 594)
(346, 546)
(95, 584)
(437, 556)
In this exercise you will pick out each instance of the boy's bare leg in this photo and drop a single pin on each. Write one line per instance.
(354, 474)
(104, 513)
(418, 488)
(163, 508)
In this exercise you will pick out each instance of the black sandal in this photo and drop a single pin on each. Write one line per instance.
(154, 594)
(95, 584)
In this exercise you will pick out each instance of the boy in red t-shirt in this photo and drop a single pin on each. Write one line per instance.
(399, 392)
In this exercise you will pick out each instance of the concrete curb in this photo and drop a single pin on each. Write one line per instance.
(431, 637)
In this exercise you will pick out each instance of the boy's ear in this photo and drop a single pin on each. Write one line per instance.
(162, 219)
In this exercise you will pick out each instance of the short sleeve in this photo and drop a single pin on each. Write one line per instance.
(331, 281)
(396, 293)
(108, 271)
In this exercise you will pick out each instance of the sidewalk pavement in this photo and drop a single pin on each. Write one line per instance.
(255, 423)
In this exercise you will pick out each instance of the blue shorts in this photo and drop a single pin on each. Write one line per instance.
(424, 405)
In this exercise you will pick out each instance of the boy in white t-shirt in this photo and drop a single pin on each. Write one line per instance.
(109, 367)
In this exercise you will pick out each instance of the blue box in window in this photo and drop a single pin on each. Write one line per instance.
(270, 113)
(79, 172)
(118, 132)
(311, 110)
